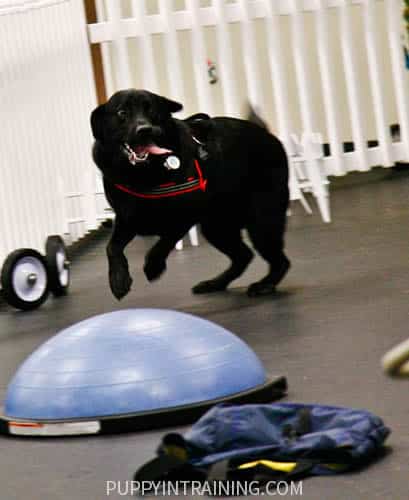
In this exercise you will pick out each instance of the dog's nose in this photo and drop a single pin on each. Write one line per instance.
(143, 129)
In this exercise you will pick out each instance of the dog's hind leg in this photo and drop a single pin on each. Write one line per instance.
(266, 229)
(229, 242)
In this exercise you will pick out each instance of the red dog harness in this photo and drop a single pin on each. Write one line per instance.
(171, 188)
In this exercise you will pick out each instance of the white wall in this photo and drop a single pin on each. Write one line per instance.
(46, 95)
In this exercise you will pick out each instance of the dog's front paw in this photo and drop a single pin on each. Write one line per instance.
(120, 282)
(154, 268)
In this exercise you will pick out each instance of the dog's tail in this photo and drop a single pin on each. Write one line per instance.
(254, 117)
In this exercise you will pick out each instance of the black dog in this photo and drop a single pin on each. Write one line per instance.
(163, 175)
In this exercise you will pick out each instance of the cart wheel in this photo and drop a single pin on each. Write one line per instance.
(24, 279)
(58, 265)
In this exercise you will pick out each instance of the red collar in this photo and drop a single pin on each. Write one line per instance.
(171, 188)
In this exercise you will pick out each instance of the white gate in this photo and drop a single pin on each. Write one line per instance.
(330, 66)
(47, 181)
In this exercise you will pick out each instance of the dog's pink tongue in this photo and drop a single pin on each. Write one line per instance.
(154, 150)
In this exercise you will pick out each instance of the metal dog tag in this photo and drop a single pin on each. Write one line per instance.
(172, 163)
(203, 154)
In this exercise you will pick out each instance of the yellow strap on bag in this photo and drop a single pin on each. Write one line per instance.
(287, 466)
(281, 466)
(176, 451)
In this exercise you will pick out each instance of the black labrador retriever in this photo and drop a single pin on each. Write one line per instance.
(163, 175)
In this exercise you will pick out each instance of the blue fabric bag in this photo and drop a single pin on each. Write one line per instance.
(271, 440)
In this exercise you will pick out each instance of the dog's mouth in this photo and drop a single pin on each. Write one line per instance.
(140, 154)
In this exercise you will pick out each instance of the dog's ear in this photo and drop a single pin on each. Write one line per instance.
(98, 122)
(200, 125)
(171, 106)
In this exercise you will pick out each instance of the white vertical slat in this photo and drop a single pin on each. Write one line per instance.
(113, 10)
(106, 59)
(23, 50)
(173, 60)
(199, 59)
(57, 105)
(328, 87)
(30, 232)
(296, 193)
(250, 55)
(8, 221)
(74, 179)
(225, 56)
(400, 79)
(67, 178)
(312, 150)
(80, 207)
(7, 200)
(375, 73)
(44, 184)
(302, 71)
(353, 85)
(89, 181)
(145, 43)
(29, 47)
(276, 59)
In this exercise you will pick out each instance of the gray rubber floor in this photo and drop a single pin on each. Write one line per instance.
(344, 303)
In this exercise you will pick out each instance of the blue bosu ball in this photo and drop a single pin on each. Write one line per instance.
(128, 362)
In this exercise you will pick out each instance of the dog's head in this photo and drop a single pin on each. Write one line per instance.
(137, 122)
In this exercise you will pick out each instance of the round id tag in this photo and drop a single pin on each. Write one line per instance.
(172, 163)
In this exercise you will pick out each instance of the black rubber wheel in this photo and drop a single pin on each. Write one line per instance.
(24, 279)
(58, 265)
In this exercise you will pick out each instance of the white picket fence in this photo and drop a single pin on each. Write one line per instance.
(333, 67)
(330, 66)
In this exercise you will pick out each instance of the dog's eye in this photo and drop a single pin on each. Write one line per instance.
(122, 114)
